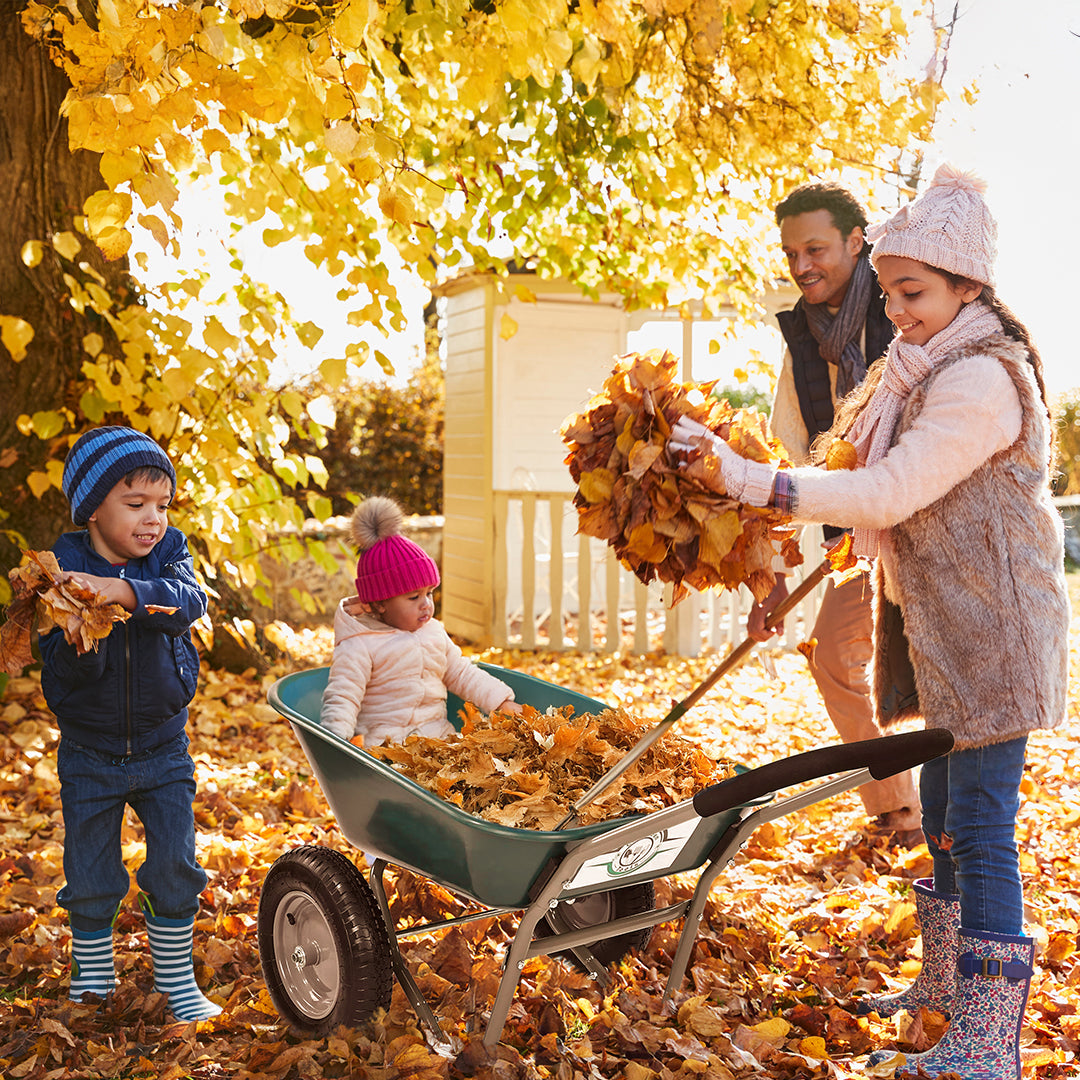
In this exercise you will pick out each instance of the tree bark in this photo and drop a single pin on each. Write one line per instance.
(42, 188)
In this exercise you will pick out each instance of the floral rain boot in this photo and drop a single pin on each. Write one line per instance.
(935, 985)
(993, 974)
(93, 969)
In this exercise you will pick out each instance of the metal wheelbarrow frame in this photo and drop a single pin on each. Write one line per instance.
(327, 942)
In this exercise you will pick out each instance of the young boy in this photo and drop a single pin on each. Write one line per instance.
(122, 712)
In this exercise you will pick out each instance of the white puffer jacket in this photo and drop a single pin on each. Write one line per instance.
(386, 684)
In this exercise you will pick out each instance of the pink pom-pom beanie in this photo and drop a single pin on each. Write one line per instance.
(390, 564)
(948, 227)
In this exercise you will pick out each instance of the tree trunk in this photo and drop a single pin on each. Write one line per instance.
(42, 187)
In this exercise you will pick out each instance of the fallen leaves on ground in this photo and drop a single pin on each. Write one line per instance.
(43, 599)
(527, 771)
(812, 911)
(665, 521)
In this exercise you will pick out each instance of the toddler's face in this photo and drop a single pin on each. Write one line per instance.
(131, 520)
(409, 611)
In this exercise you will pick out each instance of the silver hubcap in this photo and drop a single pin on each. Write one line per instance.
(306, 956)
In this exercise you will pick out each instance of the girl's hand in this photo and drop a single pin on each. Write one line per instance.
(745, 481)
(509, 706)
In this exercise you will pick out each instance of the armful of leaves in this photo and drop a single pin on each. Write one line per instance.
(44, 599)
(665, 520)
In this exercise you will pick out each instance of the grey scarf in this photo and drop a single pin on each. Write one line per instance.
(839, 336)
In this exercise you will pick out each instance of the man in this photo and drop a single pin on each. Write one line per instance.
(835, 329)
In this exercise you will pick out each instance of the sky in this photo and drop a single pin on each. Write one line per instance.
(1022, 135)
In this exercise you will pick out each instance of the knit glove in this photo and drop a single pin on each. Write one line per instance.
(746, 481)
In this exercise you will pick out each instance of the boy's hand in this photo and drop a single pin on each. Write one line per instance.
(115, 590)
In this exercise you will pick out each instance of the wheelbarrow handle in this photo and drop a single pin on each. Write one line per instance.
(733, 659)
(884, 756)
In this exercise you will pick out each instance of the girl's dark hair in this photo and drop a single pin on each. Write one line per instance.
(1012, 326)
(846, 211)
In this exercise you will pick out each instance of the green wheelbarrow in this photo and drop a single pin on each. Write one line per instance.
(329, 948)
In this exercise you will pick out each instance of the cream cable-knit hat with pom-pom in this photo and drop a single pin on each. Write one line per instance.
(949, 227)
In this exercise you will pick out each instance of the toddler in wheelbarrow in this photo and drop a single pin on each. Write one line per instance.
(329, 946)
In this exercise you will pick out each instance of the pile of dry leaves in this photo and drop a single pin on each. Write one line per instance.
(527, 771)
(666, 522)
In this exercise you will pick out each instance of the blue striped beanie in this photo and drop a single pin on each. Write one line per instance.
(100, 459)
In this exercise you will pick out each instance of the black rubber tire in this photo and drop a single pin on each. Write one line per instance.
(323, 945)
(604, 907)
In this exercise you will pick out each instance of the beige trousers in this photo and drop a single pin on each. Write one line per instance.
(844, 631)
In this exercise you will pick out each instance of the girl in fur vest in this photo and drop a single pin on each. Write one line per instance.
(393, 662)
(951, 500)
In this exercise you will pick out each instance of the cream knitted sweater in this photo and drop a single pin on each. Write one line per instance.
(386, 684)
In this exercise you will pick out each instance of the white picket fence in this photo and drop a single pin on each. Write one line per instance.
(554, 589)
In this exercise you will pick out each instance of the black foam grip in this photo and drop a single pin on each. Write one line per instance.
(883, 757)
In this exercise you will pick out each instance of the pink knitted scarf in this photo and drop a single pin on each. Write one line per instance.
(906, 366)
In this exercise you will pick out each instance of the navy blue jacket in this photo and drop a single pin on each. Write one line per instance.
(132, 694)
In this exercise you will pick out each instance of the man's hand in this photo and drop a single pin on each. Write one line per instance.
(755, 621)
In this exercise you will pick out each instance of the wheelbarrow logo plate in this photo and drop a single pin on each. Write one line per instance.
(654, 853)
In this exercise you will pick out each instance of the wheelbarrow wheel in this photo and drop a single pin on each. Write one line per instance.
(603, 907)
(323, 944)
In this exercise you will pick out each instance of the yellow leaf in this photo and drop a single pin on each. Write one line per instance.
(32, 252)
(119, 167)
(106, 210)
(524, 294)
(156, 227)
(596, 486)
(217, 337)
(814, 1047)
(292, 403)
(16, 334)
(39, 483)
(507, 327)
(46, 424)
(775, 1028)
(309, 334)
(718, 533)
(644, 545)
(113, 242)
(66, 245)
(334, 370)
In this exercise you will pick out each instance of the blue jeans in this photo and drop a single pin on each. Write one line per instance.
(970, 799)
(95, 788)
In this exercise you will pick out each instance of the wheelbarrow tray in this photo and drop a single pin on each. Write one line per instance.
(388, 815)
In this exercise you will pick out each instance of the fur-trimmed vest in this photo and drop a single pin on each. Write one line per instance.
(980, 584)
